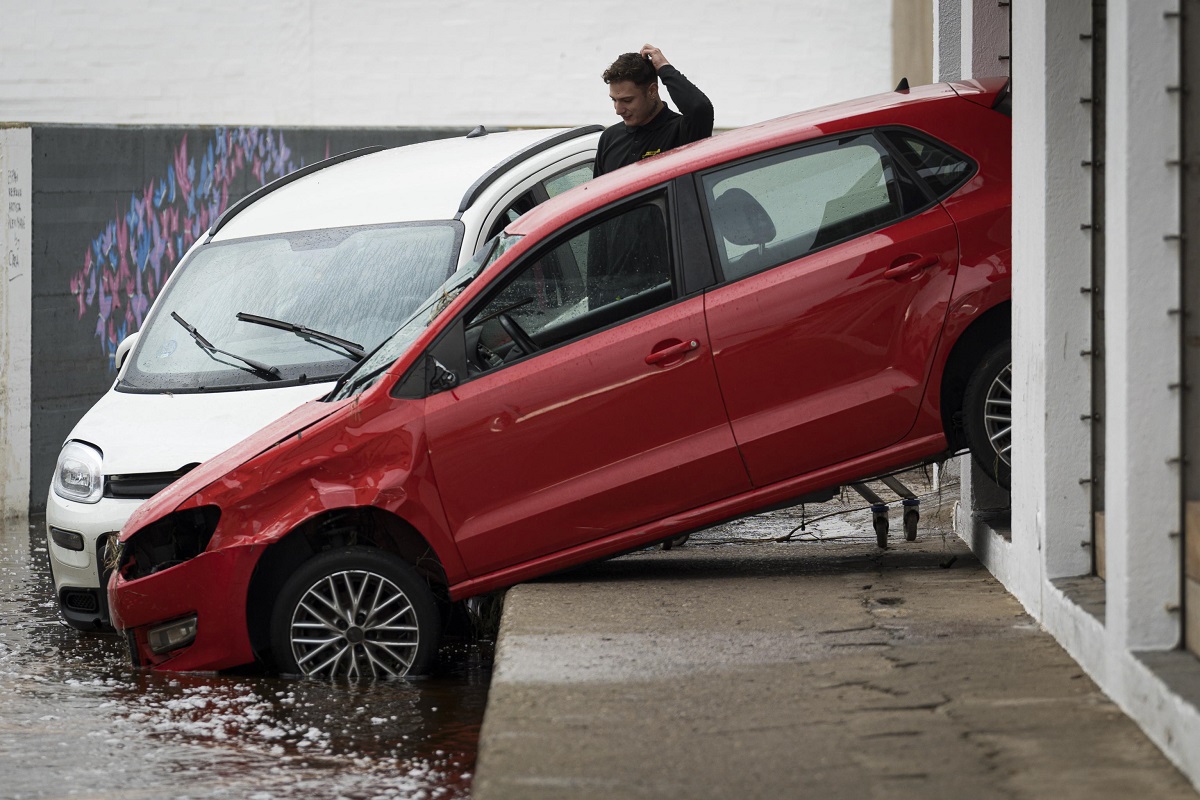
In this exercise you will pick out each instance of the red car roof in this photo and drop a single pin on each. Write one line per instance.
(863, 112)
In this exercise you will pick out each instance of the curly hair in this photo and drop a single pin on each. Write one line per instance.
(631, 67)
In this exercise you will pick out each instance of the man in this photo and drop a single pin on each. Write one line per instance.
(649, 126)
(625, 260)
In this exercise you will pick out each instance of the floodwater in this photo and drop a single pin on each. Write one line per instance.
(77, 721)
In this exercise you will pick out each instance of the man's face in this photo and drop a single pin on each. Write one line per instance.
(635, 104)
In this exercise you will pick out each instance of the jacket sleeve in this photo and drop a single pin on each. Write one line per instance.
(696, 108)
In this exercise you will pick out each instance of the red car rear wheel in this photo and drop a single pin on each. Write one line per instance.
(987, 413)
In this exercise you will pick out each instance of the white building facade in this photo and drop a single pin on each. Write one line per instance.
(1103, 546)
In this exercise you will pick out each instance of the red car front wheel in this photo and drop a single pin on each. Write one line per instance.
(352, 613)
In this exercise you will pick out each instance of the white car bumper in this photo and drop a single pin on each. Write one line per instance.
(77, 573)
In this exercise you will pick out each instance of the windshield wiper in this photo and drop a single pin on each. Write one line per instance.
(257, 367)
(349, 390)
(355, 351)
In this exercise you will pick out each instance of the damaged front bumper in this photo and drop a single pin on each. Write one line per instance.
(190, 616)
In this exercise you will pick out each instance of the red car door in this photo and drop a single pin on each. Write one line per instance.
(824, 334)
(616, 420)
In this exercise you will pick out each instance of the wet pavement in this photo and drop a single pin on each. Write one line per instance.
(77, 721)
(787, 656)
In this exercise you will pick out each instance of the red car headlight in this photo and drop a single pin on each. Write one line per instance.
(172, 540)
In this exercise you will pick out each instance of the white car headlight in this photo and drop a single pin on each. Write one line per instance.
(79, 473)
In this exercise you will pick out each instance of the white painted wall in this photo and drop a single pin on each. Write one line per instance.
(16, 295)
(406, 63)
(984, 38)
(947, 40)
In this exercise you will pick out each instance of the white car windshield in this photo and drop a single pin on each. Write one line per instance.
(370, 370)
(301, 298)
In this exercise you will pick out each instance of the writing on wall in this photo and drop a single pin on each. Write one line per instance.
(16, 219)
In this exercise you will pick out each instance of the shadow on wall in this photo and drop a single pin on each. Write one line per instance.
(129, 260)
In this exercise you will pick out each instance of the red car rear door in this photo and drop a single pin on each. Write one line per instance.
(835, 296)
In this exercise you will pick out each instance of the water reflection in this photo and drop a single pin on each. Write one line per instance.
(76, 720)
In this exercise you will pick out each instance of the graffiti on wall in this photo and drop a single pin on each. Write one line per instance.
(128, 261)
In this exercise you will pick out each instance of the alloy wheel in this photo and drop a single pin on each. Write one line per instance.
(354, 624)
(997, 414)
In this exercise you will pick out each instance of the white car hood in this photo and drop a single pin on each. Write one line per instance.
(140, 433)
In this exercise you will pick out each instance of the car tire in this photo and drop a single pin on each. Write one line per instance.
(355, 612)
(987, 413)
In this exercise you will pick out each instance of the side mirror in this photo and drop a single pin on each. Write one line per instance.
(124, 347)
(440, 378)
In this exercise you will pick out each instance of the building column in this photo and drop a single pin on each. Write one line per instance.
(1142, 490)
(947, 40)
(16, 314)
(972, 42)
(970, 39)
(1051, 530)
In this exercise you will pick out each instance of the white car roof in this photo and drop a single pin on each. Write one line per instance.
(425, 181)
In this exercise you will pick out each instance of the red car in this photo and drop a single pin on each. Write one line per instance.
(738, 324)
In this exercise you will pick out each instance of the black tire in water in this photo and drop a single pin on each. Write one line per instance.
(355, 612)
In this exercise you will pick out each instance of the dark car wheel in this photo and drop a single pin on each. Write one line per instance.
(987, 413)
(355, 612)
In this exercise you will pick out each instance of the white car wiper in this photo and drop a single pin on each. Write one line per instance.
(355, 350)
(257, 367)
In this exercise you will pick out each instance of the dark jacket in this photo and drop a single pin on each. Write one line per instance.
(621, 145)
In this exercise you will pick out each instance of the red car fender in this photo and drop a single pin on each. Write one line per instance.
(965, 310)
(372, 455)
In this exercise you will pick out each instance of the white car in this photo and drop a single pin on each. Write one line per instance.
(287, 290)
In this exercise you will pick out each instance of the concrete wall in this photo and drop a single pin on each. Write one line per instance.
(110, 211)
(459, 62)
(16, 280)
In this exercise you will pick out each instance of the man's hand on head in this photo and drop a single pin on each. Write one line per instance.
(657, 59)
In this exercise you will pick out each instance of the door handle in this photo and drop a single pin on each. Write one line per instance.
(909, 265)
(674, 351)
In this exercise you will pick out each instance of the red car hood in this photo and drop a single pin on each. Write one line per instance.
(219, 465)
